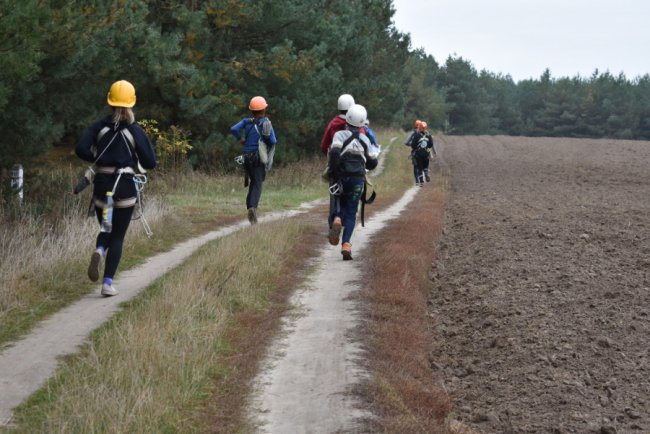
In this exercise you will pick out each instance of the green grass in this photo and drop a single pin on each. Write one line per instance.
(154, 366)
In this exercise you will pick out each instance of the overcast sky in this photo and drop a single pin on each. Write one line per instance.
(524, 37)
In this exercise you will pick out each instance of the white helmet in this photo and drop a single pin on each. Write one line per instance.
(345, 101)
(356, 115)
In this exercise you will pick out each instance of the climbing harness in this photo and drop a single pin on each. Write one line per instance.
(139, 178)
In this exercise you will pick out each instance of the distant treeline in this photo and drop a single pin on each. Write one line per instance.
(602, 105)
(195, 65)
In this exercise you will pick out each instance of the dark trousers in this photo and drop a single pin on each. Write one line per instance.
(256, 175)
(349, 203)
(420, 165)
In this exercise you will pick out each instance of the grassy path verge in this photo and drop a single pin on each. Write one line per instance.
(403, 390)
(43, 267)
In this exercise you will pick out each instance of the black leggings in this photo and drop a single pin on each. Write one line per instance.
(112, 242)
(256, 174)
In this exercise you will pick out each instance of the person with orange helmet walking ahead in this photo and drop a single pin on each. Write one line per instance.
(422, 146)
(350, 154)
(117, 146)
(416, 126)
(254, 132)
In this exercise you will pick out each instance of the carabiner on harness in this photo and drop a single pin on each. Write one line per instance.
(336, 188)
(239, 159)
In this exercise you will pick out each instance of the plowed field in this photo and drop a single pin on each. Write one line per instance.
(541, 299)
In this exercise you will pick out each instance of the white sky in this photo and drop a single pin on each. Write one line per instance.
(524, 37)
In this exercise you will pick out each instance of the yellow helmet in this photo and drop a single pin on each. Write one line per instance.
(121, 94)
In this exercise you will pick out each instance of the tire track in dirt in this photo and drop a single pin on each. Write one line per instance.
(542, 292)
(305, 383)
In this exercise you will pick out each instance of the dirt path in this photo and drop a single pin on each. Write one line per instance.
(542, 295)
(25, 366)
(309, 371)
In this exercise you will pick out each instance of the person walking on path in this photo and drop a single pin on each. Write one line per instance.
(117, 146)
(338, 123)
(422, 146)
(257, 131)
(414, 131)
(350, 154)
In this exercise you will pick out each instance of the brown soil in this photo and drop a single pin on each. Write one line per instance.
(541, 295)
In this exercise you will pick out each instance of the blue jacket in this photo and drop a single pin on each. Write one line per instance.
(371, 135)
(119, 153)
(251, 136)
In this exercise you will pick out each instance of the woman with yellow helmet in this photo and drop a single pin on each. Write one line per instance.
(117, 146)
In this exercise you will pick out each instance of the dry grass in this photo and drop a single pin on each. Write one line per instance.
(404, 391)
(156, 364)
(43, 256)
(42, 263)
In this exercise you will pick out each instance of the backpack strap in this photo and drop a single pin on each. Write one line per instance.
(355, 135)
(125, 131)
(365, 199)
(129, 137)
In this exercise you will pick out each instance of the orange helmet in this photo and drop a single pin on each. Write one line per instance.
(257, 103)
(423, 126)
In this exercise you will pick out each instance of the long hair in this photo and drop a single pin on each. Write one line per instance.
(123, 114)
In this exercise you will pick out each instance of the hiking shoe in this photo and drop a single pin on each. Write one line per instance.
(252, 215)
(335, 231)
(427, 177)
(346, 251)
(93, 267)
(109, 290)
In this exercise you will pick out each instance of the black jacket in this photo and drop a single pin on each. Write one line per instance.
(119, 153)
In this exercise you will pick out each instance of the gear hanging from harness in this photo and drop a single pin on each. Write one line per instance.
(336, 187)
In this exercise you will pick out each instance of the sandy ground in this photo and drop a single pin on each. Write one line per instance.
(26, 365)
(305, 381)
(541, 298)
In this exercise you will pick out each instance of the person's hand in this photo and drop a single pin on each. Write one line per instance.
(241, 141)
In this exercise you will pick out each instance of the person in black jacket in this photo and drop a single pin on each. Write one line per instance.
(117, 146)
(350, 154)
(422, 146)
